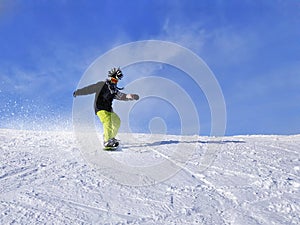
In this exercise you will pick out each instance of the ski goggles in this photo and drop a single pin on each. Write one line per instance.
(114, 80)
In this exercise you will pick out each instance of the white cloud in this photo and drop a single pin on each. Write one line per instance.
(234, 46)
(49, 71)
(192, 36)
(226, 45)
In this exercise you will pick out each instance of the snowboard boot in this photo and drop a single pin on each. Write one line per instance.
(111, 143)
(116, 142)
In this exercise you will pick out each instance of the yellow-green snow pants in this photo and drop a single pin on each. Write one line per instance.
(111, 123)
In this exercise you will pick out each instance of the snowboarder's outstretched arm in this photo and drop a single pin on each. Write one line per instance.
(126, 97)
(91, 89)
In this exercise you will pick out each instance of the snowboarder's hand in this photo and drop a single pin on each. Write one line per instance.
(135, 96)
(74, 94)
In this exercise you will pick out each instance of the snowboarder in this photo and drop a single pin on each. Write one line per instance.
(105, 92)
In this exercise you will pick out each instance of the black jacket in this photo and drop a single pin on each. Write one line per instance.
(105, 92)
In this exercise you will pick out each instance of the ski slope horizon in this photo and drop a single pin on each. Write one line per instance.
(251, 179)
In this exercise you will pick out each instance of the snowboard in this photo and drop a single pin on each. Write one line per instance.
(110, 148)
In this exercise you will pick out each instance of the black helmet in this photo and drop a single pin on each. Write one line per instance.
(116, 73)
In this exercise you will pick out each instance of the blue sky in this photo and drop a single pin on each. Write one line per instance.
(252, 47)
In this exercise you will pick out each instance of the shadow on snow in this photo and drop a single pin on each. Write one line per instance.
(170, 142)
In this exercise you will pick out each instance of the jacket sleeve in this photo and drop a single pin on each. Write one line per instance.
(91, 89)
(126, 97)
(120, 96)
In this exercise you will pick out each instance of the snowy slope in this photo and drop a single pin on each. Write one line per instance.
(245, 180)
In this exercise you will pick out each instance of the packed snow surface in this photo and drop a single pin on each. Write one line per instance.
(45, 179)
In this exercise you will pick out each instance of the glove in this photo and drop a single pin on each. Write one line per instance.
(74, 94)
(135, 96)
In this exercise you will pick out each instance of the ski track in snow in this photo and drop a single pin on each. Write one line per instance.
(248, 180)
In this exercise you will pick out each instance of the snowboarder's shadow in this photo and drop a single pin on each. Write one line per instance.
(171, 142)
